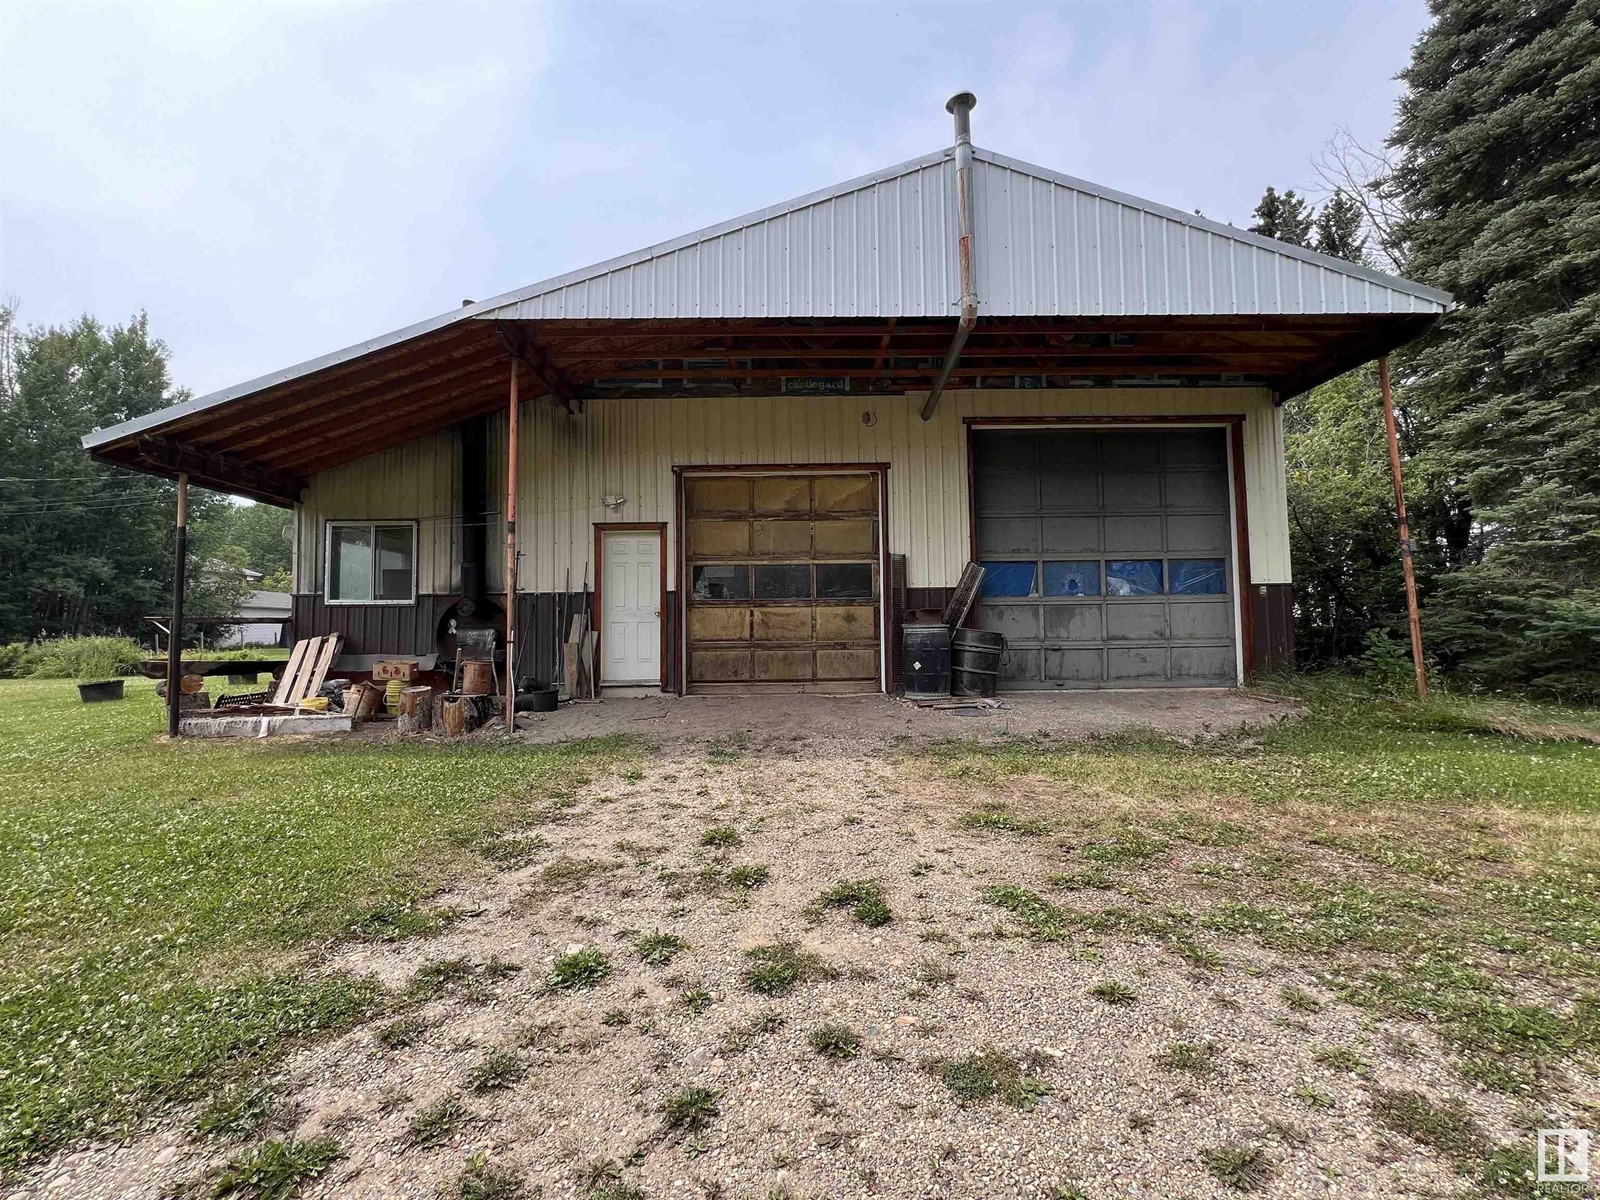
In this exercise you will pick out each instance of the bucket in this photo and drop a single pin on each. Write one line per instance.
(925, 651)
(975, 662)
(391, 695)
(477, 677)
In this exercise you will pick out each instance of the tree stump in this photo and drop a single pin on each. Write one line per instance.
(462, 714)
(416, 710)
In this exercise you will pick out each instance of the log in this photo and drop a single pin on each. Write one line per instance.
(416, 710)
(477, 677)
(362, 700)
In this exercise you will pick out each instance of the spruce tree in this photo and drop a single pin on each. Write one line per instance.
(1499, 134)
(1286, 218)
(1339, 228)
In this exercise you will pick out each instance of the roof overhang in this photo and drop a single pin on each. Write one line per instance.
(265, 441)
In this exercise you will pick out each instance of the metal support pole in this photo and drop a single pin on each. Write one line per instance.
(511, 557)
(1406, 546)
(175, 634)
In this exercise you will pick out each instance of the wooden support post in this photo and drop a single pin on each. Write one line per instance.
(1406, 547)
(511, 557)
(175, 634)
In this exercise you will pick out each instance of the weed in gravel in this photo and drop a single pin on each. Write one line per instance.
(728, 749)
(1126, 849)
(659, 949)
(1044, 921)
(747, 876)
(432, 1126)
(863, 897)
(696, 1000)
(1299, 1000)
(509, 850)
(933, 971)
(996, 817)
(1068, 1191)
(615, 1017)
(1286, 1132)
(401, 1033)
(236, 1111)
(1245, 1168)
(1313, 1098)
(721, 836)
(1090, 879)
(690, 1108)
(1196, 953)
(987, 1074)
(835, 1041)
(774, 970)
(1448, 1128)
(481, 1179)
(580, 969)
(1141, 1122)
(498, 1068)
(437, 976)
(1340, 1058)
(396, 920)
(601, 1179)
(1187, 1056)
(568, 874)
(275, 1169)
(768, 1021)
(1114, 991)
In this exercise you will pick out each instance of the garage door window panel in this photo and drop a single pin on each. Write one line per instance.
(1133, 577)
(1003, 579)
(1072, 578)
(844, 581)
(1198, 576)
(783, 581)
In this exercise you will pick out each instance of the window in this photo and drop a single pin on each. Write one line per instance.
(372, 563)
(1008, 578)
(722, 583)
(783, 581)
(1133, 577)
(1197, 577)
(1072, 579)
(844, 581)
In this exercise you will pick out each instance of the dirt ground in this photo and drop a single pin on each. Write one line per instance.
(813, 795)
(882, 721)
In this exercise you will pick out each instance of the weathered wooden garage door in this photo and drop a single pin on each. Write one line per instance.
(783, 582)
(1109, 556)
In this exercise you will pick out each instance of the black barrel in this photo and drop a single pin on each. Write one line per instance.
(975, 661)
(926, 654)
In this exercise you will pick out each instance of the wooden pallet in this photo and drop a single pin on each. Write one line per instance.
(308, 666)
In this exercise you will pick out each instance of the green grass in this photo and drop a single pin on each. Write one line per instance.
(273, 1170)
(497, 1069)
(995, 817)
(989, 1074)
(659, 949)
(834, 1040)
(863, 897)
(690, 1108)
(774, 970)
(435, 1124)
(1244, 1168)
(481, 1179)
(580, 969)
(156, 900)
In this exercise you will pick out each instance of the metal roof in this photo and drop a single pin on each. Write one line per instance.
(1046, 245)
(1062, 265)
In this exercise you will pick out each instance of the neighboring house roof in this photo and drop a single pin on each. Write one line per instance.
(879, 248)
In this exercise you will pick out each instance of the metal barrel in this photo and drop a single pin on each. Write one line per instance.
(925, 651)
(975, 662)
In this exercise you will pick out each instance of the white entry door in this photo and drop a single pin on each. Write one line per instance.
(630, 629)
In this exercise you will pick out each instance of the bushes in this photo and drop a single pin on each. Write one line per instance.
(82, 658)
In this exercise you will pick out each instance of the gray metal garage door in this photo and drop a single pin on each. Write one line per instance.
(1109, 556)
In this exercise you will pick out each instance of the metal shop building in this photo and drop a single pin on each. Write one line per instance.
(749, 449)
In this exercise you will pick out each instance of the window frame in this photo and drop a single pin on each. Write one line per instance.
(373, 524)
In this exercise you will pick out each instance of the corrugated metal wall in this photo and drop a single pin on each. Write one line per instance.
(624, 451)
(419, 481)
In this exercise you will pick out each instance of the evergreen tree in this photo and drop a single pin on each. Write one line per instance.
(1286, 218)
(1339, 228)
(1499, 173)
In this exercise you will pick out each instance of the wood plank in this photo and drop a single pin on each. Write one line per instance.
(291, 669)
(330, 651)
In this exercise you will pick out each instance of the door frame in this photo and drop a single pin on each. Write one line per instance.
(1231, 423)
(597, 603)
(880, 470)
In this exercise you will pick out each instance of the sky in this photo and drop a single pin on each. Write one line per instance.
(274, 180)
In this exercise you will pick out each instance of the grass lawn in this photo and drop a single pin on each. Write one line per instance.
(158, 902)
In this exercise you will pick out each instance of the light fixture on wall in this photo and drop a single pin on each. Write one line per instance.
(869, 419)
(613, 502)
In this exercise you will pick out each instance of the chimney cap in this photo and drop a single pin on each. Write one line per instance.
(960, 100)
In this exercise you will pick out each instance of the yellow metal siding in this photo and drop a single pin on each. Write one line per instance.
(623, 450)
(413, 482)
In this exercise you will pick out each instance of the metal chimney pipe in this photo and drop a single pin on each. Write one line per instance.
(959, 106)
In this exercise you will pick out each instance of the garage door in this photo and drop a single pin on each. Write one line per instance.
(1109, 556)
(783, 582)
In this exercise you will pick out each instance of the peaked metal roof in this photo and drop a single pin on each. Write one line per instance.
(1046, 244)
(1062, 265)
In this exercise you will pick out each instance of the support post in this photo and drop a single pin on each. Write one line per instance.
(511, 556)
(175, 634)
(1405, 530)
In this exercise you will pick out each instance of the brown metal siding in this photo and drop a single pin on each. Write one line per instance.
(1272, 626)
